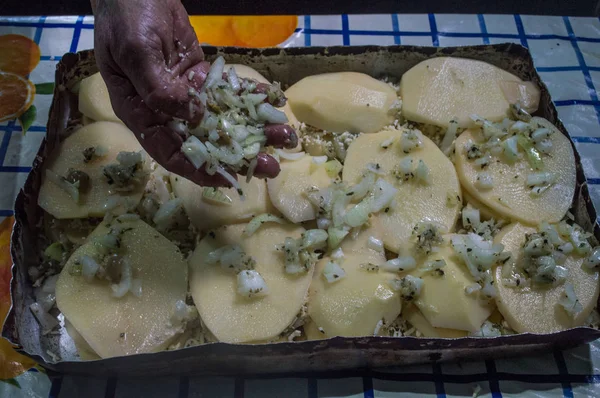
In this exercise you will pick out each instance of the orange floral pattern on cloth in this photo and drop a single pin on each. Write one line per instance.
(244, 31)
(12, 363)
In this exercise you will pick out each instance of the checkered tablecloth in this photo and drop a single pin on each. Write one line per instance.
(567, 54)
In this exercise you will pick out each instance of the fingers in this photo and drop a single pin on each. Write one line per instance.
(281, 136)
(267, 166)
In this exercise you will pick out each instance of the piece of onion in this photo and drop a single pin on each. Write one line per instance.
(195, 151)
(270, 114)
(335, 236)
(375, 244)
(289, 155)
(120, 289)
(259, 220)
(400, 264)
(569, 301)
(383, 195)
(215, 73)
(593, 260)
(47, 322)
(89, 267)
(333, 272)
(484, 181)
(215, 196)
(233, 79)
(450, 136)
(313, 238)
(251, 284)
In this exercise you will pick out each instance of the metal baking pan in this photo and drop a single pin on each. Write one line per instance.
(287, 66)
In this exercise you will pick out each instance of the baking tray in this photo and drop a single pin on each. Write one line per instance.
(286, 66)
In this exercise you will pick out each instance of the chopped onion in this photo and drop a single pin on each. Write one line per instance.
(323, 223)
(593, 260)
(270, 114)
(289, 155)
(511, 151)
(540, 179)
(533, 156)
(375, 244)
(234, 183)
(488, 329)
(313, 238)
(215, 73)
(333, 272)
(340, 201)
(483, 161)
(409, 287)
(47, 322)
(215, 196)
(544, 146)
(359, 214)
(383, 194)
(55, 252)
(338, 254)
(422, 172)
(411, 140)
(519, 127)
(89, 267)
(540, 134)
(434, 265)
(251, 284)
(124, 285)
(136, 287)
(178, 126)
(450, 136)
(335, 237)
(470, 217)
(405, 169)
(251, 170)
(579, 239)
(387, 143)
(233, 79)
(472, 288)
(360, 190)
(49, 285)
(259, 220)
(195, 151)
(569, 301)
(484, 181)
(165, 215)
(319, 159)
(400, 264)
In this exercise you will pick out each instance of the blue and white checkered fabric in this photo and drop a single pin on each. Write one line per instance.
(567, 54)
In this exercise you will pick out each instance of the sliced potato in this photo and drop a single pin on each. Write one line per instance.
(355, 304)
(412, 314)
(83, 348)
(206, 214)
(312, 331)
(510, 196)
(235, 319)
(94, 101)
(415, 202)
(485, 212)
(343, 101)
(441, 89)
(288, 190)
(127, 325)
(535, 309)
(443, 301)
(115, 137)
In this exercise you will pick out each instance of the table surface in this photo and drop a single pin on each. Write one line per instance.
(567, 55)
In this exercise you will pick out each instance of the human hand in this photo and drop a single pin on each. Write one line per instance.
(145, 50)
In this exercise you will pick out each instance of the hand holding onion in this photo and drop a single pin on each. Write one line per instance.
(150, 58)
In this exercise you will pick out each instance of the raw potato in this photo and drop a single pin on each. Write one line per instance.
(235, 319)
(83, 348)
(415, 202)
(510, 197)
(94, 101)
(206, 215)
(113, 136)
(485, 212)
(101, 318)
(536, 309)
(343, 101)
(355, 304)
(412, 314)
(443, 301)
(441, 89)
(288, 190)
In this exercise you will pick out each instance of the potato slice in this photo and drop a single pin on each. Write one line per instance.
(415, 202)
(235, 319)
(441, 89)
(485, 212)
(288, 190)
(343, 101)
(115, 137)
(443, 301)
(536, 309)
(127, 325)
(355, 304)
(206, 215)
(94, 101)
(412, 314)
(83, 348)
(510, 197)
